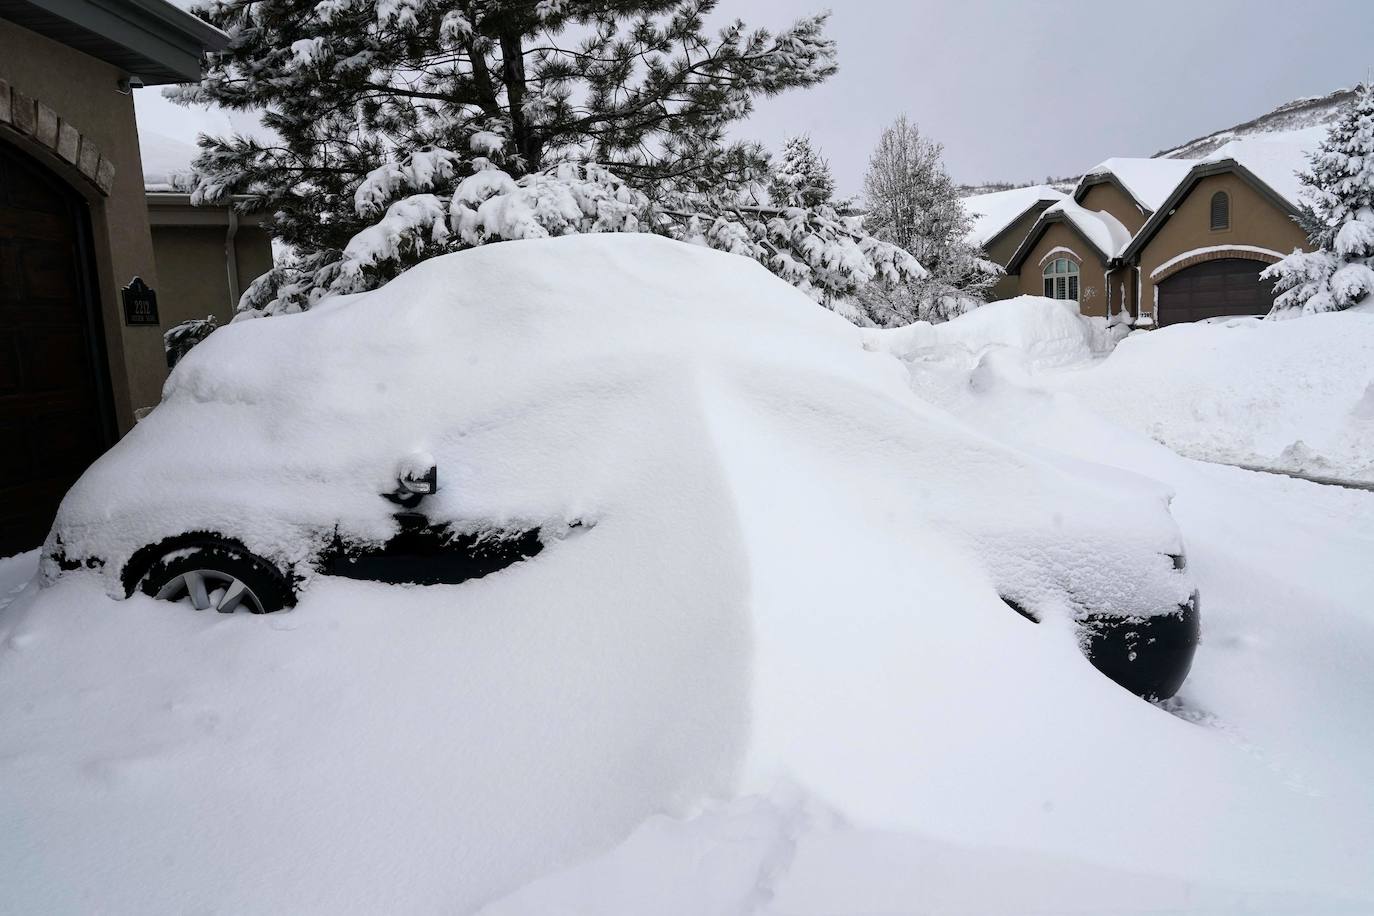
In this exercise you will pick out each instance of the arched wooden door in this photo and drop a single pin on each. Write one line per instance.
(55, 417)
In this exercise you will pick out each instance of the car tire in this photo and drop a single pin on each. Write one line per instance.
(212, 574)
(1151, 656)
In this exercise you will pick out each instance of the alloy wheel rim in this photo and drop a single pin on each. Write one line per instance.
(211, 588)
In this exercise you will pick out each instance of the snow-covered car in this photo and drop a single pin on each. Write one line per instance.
(491, 405)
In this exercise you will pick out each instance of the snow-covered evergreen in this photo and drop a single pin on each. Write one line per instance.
(411, 128)
(1339, 219)
(802, 178)
(912, 202)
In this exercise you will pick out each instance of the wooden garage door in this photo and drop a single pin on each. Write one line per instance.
(54, 417)
(1229, 286)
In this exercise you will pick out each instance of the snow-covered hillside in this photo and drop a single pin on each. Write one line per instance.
(1281, 138)
(765, 682)
(1301, 114)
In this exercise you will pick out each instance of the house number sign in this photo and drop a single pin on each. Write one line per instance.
(140, 303)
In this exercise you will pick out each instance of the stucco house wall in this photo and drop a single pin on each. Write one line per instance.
(82, 128)
(195, 259)
(1001, 247)
(191, 267)
(1186, 237)
(1092, 272)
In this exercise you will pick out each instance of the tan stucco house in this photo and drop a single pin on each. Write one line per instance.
(81, 346)
(1164, 240)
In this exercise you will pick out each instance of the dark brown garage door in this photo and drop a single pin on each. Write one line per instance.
(1230, 286)
(54, 416)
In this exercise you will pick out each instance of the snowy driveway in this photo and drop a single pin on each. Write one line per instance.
(832, 714)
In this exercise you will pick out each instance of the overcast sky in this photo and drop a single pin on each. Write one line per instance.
(1020, 89)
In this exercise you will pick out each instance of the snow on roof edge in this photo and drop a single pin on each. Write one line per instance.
(993, 212)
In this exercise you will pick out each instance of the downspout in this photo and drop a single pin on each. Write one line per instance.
(231, 259)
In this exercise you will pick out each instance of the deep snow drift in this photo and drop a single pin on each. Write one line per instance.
(1293, 395)
(1046, 332)
(775, 676)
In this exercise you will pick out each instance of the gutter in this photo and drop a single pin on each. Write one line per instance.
(231, 259)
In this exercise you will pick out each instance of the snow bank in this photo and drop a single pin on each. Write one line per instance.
(777, 658)
(1046, 332)
(1294, 395)
(789, 854)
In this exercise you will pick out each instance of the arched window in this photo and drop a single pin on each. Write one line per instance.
(1061, 279)
(1221, 210)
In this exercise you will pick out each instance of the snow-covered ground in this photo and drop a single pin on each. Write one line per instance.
(1288, 395)
(846, 721)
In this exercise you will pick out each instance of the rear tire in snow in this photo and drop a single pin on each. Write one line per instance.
(214, 574)
(1150, 656)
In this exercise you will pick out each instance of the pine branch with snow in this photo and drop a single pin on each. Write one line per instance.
(1339, 272)
(826, 255)
(410, 128)
(346, 86)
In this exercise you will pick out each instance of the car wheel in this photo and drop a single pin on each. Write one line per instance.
(1150, 657)
(218, 576)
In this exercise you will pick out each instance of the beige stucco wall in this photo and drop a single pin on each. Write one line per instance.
(1255, 221)
(1003, 247)
(1091, 271)
(82, 92)
(1107, 196)
(193, 269)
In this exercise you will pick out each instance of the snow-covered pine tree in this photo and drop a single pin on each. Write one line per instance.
(910, 201)
(1339, 219)
(802, 178)
(410, 128)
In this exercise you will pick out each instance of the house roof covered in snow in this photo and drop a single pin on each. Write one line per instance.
(1268, 163)
(994, 213)
(166, 161)
(1103, 232)
(1276, 159)
(1146, 181)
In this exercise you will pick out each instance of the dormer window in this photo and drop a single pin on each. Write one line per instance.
(1221, 210)
(1061, 279)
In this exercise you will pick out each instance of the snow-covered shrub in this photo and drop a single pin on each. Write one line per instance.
(178, 340)
(1339, 273)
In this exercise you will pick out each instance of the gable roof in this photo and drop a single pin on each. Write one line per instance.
(1145, 181)
(1104, 233)
(149, 39)
(1276, 159)
(995, 213)
(1201, 170)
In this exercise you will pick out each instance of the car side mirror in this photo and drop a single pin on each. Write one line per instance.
(417, 476)
(423, 484)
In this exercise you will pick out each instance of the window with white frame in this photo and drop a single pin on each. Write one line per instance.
(1061, 279)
